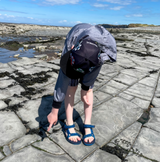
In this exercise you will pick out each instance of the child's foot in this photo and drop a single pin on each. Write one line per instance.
(88, 139)
(73, 138)
(71, 135)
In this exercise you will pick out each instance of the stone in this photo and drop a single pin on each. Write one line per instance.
(156, 101)
(2, 105)
(101, 155)
(154, 121)
(125, 139)
(29, 113)
(144, 104)
(11, 127)
(148, 144)
(6, 150)
(126, 96)
(25, 61)
(81, 151)
(9, 92)
(126, 79)
(34, 70)
(24, 141)
(135, 158)
(6, 83)
(134, 73)
(117, 85)
(111, 117)
(1, 156)
(110, 90)
(110, 68)
(140, 90)
(16, 100)
(148, 81)
(48, 146)
(37, 155)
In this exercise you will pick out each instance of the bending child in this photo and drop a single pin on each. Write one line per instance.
(86, 48)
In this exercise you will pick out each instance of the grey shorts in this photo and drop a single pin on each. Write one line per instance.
(75, 82)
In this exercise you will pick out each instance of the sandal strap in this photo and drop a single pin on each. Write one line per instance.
(73, 134)
(88, 135)
(69, 126)
(88, 126)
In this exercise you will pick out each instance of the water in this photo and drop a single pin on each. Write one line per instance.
(7, 55)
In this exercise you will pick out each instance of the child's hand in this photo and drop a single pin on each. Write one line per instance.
(87, 96)
(52, 118)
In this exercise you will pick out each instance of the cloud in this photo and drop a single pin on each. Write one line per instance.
(63, 21)
(122, 2)
(100, 5)
(117, 8)
(135, 15)
(60, 2)
(78, 22)
(30, 18)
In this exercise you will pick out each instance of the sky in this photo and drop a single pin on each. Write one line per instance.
(72, 12)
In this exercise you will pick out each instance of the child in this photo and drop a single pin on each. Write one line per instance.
(86, 48)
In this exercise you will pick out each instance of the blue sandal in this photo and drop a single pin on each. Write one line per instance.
(89, 135)
(66, 129)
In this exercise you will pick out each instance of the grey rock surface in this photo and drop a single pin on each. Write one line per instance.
(11, 127)
(125, 110)
(101, 156)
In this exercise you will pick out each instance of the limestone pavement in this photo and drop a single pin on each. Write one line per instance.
(126, 110)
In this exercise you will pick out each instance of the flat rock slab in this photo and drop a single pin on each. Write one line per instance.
(81, 150)
(9, 92)
(101, 155)
(118, 110)
(154, 121)
(2, 105)
(48, 146)
(148, 144)
(24, 141)
(36, 156)
(11, 127)
(29, 113)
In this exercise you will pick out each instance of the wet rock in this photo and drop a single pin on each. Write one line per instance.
(12, 45)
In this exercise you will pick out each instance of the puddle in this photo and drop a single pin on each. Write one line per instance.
(8, 56)
(7, 53)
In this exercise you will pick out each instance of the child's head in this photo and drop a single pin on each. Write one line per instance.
(81, 59)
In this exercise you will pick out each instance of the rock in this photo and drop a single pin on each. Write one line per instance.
(16, 55)
(100, 155)
(11, 127)
(7, 150)
(2, 105)
(24, 141)
(40, 156)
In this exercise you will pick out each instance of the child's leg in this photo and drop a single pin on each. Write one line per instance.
(87, 98)
(69, 103)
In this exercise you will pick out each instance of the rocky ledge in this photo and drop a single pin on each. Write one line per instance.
(125, 112)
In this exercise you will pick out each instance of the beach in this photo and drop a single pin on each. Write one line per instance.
(126, 98)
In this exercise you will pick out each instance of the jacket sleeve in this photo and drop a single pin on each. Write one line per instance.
(60, 89)
(89, 78)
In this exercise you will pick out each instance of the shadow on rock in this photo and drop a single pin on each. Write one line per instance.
(43, 111)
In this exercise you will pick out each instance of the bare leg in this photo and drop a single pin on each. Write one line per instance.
(87, 98)
(69, 103)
